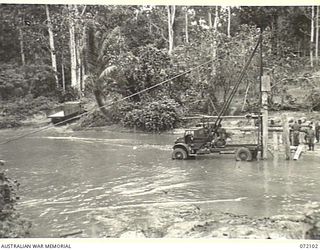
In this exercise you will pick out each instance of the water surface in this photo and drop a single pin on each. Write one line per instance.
(71, 180)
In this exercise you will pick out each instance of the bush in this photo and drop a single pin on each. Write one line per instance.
(9, 122)
(70, 94)
(94, 119)
(314, 100)
(153, 116)
(11, 225)
(24, 107)
(116, 114)
(18, 81)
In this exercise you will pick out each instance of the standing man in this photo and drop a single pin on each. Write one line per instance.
(301, 134)
(310, 136)
(296, 131)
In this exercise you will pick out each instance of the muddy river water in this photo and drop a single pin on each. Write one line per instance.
(74, 180)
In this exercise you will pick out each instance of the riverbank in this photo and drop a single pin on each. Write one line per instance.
(25, 112)
(32, 113)
(12, 223)
(192, 222)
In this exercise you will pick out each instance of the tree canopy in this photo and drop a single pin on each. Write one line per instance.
(49, 49)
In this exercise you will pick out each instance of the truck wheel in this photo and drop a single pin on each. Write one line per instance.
(179, 154)
(243, 154)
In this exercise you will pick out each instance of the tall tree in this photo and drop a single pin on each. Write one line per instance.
(186, 25)
(266, 17)
(21, 40)
(312, 36)
(216, 19)
(171, 16)
(73, 49)
(229, 21)
(317, 36)
(22, 50)
(214, 42)
(52, 47)
(210, 17)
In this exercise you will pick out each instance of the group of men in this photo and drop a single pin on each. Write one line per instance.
(308, 135)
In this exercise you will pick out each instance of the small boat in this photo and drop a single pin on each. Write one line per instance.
(66, 112)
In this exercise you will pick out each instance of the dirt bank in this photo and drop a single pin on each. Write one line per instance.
(12, 225)
(192, 222)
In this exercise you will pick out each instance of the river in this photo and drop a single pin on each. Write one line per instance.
(77, 180)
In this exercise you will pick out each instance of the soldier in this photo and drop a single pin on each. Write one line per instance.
(221, 132)
(221, 136)
(301, 134)
(296, 130)
(310, 136)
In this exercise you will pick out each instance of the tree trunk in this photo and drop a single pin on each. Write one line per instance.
(63, 76)
(84, 55)
(210, 18)
(216, 19)
(186, 25)
(23, 60)
(169, 30)
(171, 17)
(214, 43)
(312, 36)
(73, 51)
(229, 21)
(21, 39)
(79, 61)
(52, 49)
(317, 36)
(81, 50)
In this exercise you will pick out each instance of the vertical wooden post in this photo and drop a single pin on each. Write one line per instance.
(275, 141)
(286, 138)
(280, 138)
(265, 88)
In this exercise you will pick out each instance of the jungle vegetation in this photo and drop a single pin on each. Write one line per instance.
(53, 53)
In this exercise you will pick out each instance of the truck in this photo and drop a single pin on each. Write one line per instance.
(206, 140)
(211, 138)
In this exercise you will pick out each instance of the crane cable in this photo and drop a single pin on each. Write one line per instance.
(235, 88)
(108, 105)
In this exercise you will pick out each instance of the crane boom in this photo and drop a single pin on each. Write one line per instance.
(235, 88)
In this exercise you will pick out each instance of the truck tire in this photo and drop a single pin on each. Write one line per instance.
(179, 154)
(243, 154)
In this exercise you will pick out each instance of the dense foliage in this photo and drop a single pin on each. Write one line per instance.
(210, 44)
(155, 116)
(16, 81)
(13, 113)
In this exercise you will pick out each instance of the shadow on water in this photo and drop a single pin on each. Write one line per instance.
(76, 181)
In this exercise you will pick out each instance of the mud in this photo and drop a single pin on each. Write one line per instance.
(191, 222)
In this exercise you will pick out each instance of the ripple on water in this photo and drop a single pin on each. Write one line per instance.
(126, 179)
